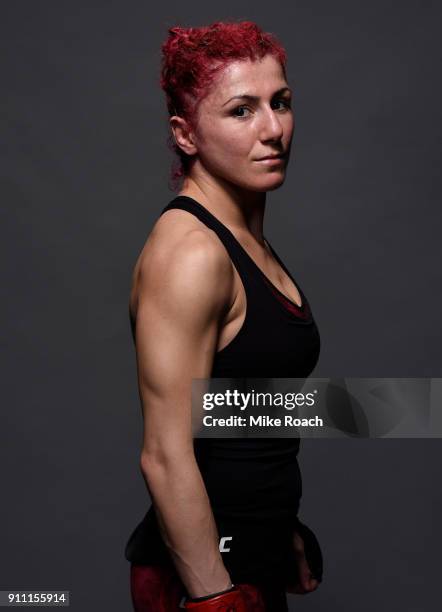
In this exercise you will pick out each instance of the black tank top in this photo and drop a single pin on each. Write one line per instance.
(254, 484)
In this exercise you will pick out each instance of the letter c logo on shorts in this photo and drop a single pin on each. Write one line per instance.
(222, 542)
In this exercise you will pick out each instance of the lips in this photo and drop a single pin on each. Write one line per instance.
(280, 156)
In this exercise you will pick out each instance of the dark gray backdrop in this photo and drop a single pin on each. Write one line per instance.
(84, 175)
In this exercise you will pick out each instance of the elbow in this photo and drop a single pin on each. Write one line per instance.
(150, 462)
(160, 461)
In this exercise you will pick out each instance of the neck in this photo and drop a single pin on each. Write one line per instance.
(238, 208)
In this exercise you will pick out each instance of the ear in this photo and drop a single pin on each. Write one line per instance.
(183, 134)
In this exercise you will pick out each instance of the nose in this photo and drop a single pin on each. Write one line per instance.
(270, 127)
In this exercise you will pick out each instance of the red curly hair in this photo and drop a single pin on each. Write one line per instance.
(193, 57)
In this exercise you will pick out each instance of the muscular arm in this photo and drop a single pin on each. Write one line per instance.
(184, 289)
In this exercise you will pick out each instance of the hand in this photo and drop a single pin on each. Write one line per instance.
(306, 582)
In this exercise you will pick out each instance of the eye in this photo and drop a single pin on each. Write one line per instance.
(237, 112)
(285, 102)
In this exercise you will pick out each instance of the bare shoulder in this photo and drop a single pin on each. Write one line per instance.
(182, 259)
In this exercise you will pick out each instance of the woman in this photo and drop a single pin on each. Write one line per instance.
(210, 298)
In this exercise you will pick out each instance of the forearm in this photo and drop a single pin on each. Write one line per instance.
(187, 524)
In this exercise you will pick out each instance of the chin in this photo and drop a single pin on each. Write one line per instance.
(270, 182)
(276, 183)
(265, 182)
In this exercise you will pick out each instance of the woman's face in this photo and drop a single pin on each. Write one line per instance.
(245, 117)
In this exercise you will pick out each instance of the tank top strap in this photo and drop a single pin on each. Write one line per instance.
(233, 248)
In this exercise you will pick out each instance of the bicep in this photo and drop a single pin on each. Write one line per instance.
(169, 354)
(177, 324)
